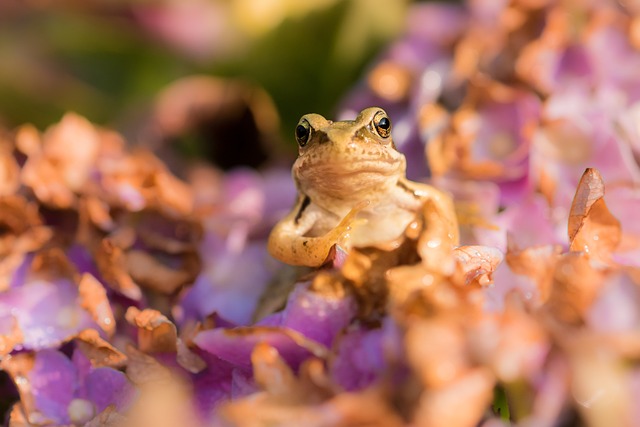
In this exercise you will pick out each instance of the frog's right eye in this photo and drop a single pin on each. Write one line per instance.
(303, 132)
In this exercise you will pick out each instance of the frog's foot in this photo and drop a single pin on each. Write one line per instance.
(341, 233)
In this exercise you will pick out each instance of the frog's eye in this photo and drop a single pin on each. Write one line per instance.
(382, 124)
(303, 132)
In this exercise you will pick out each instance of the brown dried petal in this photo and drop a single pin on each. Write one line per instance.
(391, 81)
(156, 334)
(62, 166)
(405, 280)
(107, 418)
(592, 228)
(477, 263)
(576, 283)
(98, 213)
(513, 344)
(18, 367)
(53, 263)
(99, 352)
(272, 373)
(141, 180)
(173, 193)
(21, 232)
(28, 140)
(18, 416)
(143, 369)
(163, 400)
(9, 170)
(112, 262)
(21, 226)
(369, 408)
(168, 234)
(10, 338)
(93, 298)
(442, 407)
(72, 146)
(188, 359)
(538, 263)
(435, 244)
(153, 274)
(437, 351)
(43, 178)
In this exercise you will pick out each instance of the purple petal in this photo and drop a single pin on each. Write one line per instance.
(47, 312)
(360, 359)
(53, 381)
(107, 386)
(318, 317)
(236, 345)
(212, 385)
(280, 195)
(528, 223)
(231, 282)
(616, 307)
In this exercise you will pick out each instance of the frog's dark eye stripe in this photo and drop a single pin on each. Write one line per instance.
(303, 132)
(382, 124)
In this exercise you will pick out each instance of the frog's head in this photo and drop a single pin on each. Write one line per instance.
(342, 159)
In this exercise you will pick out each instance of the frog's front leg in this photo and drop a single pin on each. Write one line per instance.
(288, 243)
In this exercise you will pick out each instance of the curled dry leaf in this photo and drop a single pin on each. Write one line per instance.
(140, 180)
(477, 263)
(273, 374)
(22, 232)
(487, 137)
(10, 335)
(163, 400)
(576, 282)
(437, 407)
(148, 250)
(156, 334)
(59, 169)
(112, 261)
(435, 244)
(18, 367)
(151, 273)
(513, 344)
(93, 298)
(99, 352)
(188, 359)
(110, 417)
(406, 280)
(9, 169)
(437, 351)
(592, 228)
(369, 408)
(538, 263)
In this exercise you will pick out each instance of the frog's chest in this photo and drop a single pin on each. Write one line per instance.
(381, 221)
(382, 224)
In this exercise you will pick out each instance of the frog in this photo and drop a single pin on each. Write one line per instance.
(352, 191)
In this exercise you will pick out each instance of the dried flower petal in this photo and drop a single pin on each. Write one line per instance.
(592, 228)
(156, 334)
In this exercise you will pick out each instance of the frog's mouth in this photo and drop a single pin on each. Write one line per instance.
(347, 179)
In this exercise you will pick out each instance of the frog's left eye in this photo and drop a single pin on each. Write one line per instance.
(382, 124)
(303, 132)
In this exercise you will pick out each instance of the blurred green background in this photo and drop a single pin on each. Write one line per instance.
(109, 59)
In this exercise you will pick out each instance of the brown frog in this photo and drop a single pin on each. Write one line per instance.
(352, 191)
